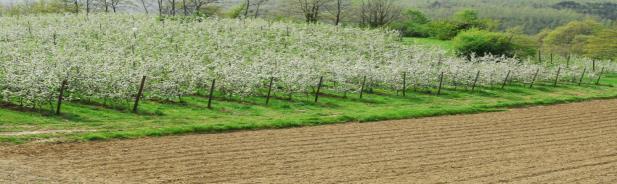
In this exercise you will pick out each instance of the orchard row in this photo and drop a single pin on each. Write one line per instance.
(107, 56)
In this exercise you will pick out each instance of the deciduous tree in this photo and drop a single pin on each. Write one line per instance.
(376, 13)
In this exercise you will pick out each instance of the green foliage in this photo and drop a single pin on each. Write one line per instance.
(466, 16)
(532, 15)
(431, 43)
(541, 35)
(605, 10)
(524, 45)
(443, 30)
(570, 38)
(37, 7)
(468, 19)
(461, 21)
(481, 42)
(416, 16)
(236, 11)
(603, 45)
(210, 11)
(413, 23)
(230, 115)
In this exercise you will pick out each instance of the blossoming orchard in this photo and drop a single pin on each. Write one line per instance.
(106, 57)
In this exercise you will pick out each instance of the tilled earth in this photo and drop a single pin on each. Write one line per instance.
(570, 143)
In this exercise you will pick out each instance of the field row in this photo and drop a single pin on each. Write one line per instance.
(112, 59)
(562, 143)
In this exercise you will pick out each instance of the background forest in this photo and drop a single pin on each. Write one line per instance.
(531, 15)
(522, 28)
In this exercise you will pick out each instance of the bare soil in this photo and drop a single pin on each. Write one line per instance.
(569, 143)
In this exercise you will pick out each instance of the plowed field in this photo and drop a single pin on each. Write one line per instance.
(570, 143)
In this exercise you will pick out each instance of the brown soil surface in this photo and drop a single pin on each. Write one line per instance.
(570, 143)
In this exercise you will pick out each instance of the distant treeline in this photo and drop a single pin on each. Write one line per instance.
(532, 16)
(604, 10)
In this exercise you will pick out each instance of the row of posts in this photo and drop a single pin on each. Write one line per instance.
(568, 57)
(64, 84)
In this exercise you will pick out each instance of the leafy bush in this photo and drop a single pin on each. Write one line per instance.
(599, 45)
(481, 42)
(571, 38)
(443, 30)
(236, 11)
(414, 24)
(461, 21)
(468, 19)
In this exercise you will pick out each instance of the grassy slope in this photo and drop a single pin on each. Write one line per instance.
(430, 42)
(192, 116)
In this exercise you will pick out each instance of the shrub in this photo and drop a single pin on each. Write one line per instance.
(571, 38)
(461, 21)
(480, 43)
(413, 23)
(443, 30)
(599, 45)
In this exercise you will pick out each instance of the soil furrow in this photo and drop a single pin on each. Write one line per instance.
(568, 143)
(337, 144)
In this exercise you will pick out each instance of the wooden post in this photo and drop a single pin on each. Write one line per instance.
(211, 93)
(139, 93)
(506, 79)
(475, 81)
(318, 89)
(454, 78)
(557, 77)
(511, 80)
(269, 90)
(551, 58)
(404, 83)
(29, 29)
(440, 83)
(61, 96)
(362, 88)
(539, 56)
(534, 78)
(287, 32)
(580, 81)
(593, 65)
(568, 61)
(600, 76)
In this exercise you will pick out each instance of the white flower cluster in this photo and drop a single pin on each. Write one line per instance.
(105, 56)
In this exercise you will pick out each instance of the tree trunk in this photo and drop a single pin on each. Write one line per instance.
(248, 6)
(106, 6)
(338, 12)
(173, 8)
(257, 10)
(76, 7)
(186, 11)
(160, 3)
(143, 3)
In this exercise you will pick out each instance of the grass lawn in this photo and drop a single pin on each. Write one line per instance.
(97, 122)
(430, 42)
